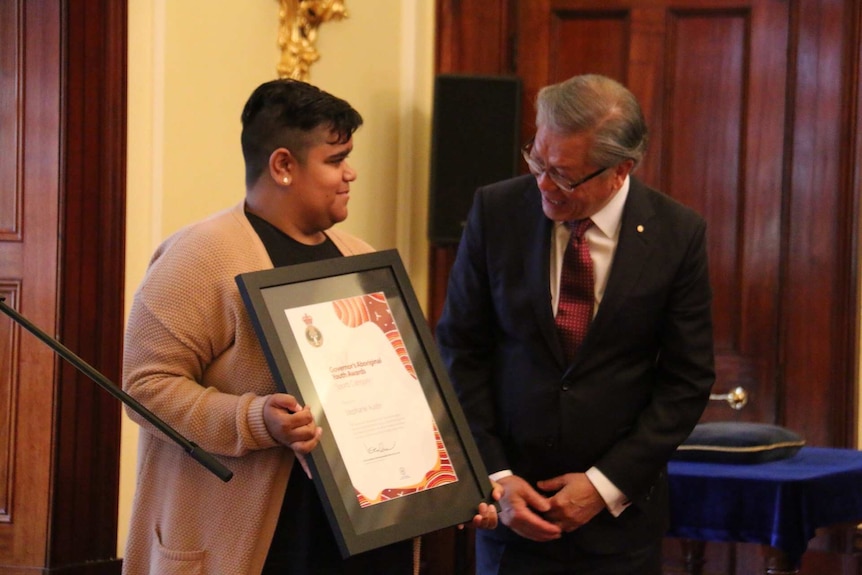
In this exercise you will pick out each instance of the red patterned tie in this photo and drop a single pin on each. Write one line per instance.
(575, 308)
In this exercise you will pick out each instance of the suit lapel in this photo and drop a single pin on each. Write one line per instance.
(633, 248)
(537, 272)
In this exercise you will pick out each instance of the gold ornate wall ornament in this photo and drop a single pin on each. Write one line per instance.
(299, 20)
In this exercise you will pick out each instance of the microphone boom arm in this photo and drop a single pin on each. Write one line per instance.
(201, 456)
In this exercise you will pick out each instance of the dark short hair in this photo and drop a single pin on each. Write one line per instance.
(283, 114)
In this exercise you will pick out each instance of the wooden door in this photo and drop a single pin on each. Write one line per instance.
(711, 77)
(62, 222)
(29, 218)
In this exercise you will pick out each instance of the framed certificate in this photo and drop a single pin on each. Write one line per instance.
(347, 337)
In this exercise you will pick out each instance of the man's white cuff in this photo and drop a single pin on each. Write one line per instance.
(500, 475)
(615, 500)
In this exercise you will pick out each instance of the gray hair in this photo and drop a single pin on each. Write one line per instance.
(598, 105)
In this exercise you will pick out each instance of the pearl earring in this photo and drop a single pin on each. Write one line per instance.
(286, 180)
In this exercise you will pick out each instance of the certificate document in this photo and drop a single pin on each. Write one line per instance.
(375, 405)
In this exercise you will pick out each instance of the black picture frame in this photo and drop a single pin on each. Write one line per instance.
(270, 296)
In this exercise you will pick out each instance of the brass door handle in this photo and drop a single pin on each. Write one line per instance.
(736, 398)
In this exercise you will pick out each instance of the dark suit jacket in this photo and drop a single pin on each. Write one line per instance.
(638, 384)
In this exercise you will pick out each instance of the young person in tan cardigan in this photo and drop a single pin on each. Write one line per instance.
(191, 357)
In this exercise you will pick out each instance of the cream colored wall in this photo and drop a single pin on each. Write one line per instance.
(193, 63)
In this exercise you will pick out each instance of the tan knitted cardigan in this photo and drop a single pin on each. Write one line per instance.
(192, 358)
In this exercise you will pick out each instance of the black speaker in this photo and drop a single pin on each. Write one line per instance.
(475, 140)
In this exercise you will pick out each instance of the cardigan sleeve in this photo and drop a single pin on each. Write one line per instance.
(191, 356)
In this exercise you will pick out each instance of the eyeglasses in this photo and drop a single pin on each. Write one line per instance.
(559, 180)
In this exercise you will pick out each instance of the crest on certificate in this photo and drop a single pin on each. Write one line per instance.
(312, 334)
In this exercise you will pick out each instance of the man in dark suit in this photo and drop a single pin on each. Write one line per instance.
(579, 433)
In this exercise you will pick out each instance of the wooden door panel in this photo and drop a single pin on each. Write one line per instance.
(29, 216)
(10, 231)
(62, 214)
(9, 354)
(723, 154)
(595, 42)
(10, 196)
(710, 75)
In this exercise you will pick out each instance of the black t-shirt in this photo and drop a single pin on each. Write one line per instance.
(303, 543)
(283, 250)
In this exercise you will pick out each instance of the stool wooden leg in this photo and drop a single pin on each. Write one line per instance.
(692, 553)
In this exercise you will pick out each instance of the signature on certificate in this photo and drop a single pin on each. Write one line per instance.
(380, 448)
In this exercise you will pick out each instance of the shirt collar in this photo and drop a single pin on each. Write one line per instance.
(609, 218)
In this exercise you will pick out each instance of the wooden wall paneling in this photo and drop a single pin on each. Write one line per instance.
(472, 37)
(62, 95)
(10, 231)
(646, 78)
(533, 56)
(817, 360)
(854, 207)
(780, 249)
(594, 42)
(723, 155)
(30, 100)
(84, 519)
(703, 161)
(39, 180)
(761, 211)
(10, 135)
(9, 353)
(441, 259)
(703, 151)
